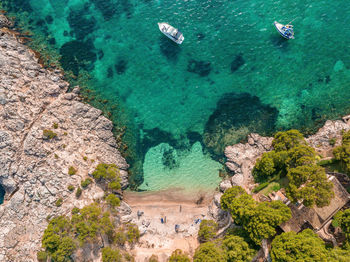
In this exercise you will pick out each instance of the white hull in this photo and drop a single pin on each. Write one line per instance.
(282, 31)
(171, 32)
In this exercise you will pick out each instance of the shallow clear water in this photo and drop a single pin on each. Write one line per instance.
(233, 74)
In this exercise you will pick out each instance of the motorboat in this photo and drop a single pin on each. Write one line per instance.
(171, 32)
(285, 30)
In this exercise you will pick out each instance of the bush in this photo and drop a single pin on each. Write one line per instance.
(72, 171)
(49, 134)
(133, 233)
(179, 256)
(237, 250)
(84, 184)
(332, 141)
(85, 158)
(71, 188)
(153, 258)
(75, 210)
(209, 252)
(41, 256)
(113, 200)
(55, 125)
(78, 192)
(59, 202)
(111, 255)
(120, 238)
(207, 230)
(342, 153)
(343, 218)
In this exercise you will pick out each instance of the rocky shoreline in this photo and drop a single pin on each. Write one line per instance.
(34, 165)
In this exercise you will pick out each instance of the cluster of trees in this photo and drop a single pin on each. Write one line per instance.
(305, 246)
(107, 176)
(343, 219)
(259, 219)
(342, 153)
(63, 235)
(292, 157)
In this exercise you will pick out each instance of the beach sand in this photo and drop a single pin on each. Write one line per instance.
(174, 207)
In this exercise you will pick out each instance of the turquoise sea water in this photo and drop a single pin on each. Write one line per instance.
(232, 75)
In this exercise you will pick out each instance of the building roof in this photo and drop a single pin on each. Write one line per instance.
(317, 217)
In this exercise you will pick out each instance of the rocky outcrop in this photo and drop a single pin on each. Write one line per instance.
(33, 165)
(241, 160)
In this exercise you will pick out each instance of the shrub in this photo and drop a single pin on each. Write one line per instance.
(113, 200)
(120, 238)
(237, 249)
(56, 156)
(115, 185)
(332, 141)
(286, 140)
(72, 171)
(75, 210)
(49, 134)
(71, 188)
(179, 256)
(59, 202)
(343, 218)
(133, 233)
(153, 258)
(342, 153)
(41, 256)
(78, 192)
(209, 252)
(85, 158)
(84, 184)
(207, 230)
(55, 125)
(111, 255)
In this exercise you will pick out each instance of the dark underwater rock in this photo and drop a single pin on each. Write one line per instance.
(235, 116)
(121, 66)
(77, 54)
(201, 68)
(237, 63)
(169, 160)
(80, 23)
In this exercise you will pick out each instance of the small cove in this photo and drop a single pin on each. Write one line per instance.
(232, 75)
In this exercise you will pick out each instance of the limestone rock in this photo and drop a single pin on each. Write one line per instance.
(34, 170)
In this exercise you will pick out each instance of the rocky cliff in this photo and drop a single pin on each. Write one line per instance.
(34, 164)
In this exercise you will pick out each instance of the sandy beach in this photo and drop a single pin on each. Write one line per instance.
(163, 210)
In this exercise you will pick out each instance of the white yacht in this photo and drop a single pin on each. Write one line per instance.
(171, 32)
(285, 30)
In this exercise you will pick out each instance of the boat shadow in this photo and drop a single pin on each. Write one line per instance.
(279, 42)
(169, 49)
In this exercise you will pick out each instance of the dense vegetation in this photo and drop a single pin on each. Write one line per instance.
(342, 153)
(258, 219)
(294, 159)
(179, 256)
(90, 224)
(207, 230)
(343, 219)
(305, 246)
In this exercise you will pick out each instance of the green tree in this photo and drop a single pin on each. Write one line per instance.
(301, 155)
(258, 219)
(286, 140)
(111, 255)
(265, 166)
(339, 255)
(113, 200)
(305, 246)
(237, 250)
(209, 252)
(207, 230)
(179, 256)
(265, 218)
(133, 233)
(153, 258)
(343, 218)
(310, 185)
(342, 153)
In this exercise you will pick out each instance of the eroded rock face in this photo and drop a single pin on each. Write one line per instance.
(34, 170)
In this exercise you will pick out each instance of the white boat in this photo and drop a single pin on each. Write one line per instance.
(285, 30)
(171, 32)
